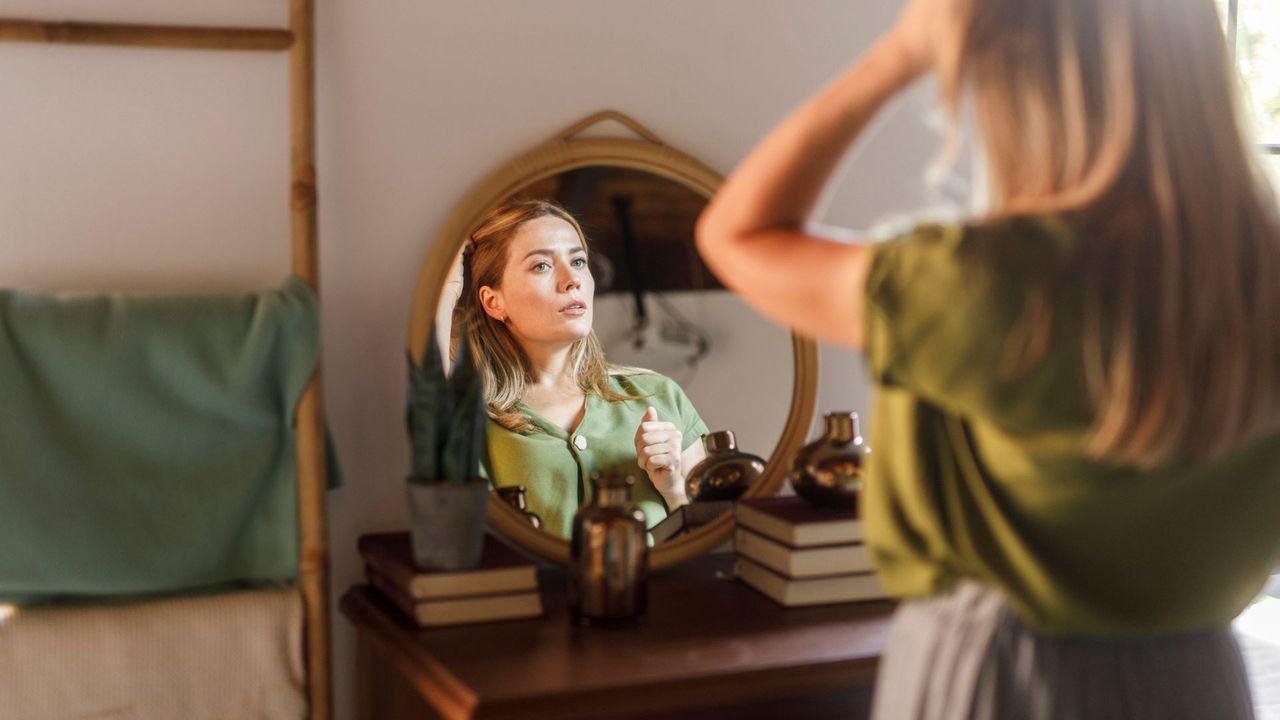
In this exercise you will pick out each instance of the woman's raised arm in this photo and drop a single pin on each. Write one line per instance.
(756, 235)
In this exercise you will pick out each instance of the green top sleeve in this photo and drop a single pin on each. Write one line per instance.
(979, 471)
(946, 316)
(934, 318)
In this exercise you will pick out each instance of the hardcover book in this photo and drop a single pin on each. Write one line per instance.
(809, 591)
(793, 521)
(501, 569)
(458, 610)
(688, 517)
(802, 562)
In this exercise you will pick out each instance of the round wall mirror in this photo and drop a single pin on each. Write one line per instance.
(655, 309)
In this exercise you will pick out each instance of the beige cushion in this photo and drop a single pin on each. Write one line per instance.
(231, 655)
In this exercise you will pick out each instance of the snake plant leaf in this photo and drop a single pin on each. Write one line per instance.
(428, 413)
(467, 426)
(473, 401)
(468, 407)
(446, 414)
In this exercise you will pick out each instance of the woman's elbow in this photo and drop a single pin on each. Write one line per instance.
(715, 236)
(706, 232)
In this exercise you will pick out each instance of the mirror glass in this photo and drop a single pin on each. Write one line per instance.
(656, 307)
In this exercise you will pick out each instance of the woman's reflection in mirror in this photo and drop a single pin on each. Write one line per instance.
(558, 410)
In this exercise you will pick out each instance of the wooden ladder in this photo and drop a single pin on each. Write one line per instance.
(298, 40)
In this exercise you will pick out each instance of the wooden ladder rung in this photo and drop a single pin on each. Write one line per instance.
(164, 36)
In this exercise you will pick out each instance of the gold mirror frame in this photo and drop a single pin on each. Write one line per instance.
(565, 151)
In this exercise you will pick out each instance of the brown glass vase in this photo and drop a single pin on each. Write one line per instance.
(608, 555)
(725, 473)
(828, 471)
(514, 495)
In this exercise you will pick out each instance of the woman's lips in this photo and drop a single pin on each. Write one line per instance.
(574, 309)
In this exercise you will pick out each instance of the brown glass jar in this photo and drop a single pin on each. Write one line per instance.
(828, 471)
(725, 473)
(608, 555)
(514, 495)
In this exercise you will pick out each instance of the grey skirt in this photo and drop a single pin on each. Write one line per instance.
(966, 655)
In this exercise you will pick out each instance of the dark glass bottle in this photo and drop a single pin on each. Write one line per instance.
(514, 495)
(828, 471)
(725, 473)
(608, 555)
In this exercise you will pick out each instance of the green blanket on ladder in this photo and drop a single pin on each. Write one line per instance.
(147, 443)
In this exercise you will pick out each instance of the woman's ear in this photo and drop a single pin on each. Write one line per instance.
(492, 302)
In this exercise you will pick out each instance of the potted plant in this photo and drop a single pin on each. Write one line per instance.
(446, 422)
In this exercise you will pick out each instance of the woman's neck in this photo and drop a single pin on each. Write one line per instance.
(554, 392)
(552, 368)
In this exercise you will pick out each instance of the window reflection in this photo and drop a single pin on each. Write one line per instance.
(1258, 48)
(1258, 58)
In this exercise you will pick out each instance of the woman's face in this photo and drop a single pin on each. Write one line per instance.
(547, 290)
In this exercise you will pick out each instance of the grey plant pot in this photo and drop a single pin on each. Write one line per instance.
(446, 522)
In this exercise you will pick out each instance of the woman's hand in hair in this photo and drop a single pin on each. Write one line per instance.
(658, 445)
(919, 33)
(453, 282)
(450, 296)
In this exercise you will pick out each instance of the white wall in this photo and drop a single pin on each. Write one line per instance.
(142, 168)
(165, 169)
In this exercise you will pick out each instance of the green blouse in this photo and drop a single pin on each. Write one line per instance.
(980, 474)
(553, 465)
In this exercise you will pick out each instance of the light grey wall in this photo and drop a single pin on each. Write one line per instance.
(162, 170)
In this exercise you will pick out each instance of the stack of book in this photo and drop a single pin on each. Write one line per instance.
(800, 555)
(504, 586)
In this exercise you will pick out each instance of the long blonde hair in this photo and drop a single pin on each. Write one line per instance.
(502, 361)
(1123, 116)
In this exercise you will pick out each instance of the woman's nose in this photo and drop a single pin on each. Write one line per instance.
(570, 282)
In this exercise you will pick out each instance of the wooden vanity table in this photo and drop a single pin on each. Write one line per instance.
(710, 647)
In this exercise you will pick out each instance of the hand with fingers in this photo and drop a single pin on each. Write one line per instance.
(658, 447)
(453, 282)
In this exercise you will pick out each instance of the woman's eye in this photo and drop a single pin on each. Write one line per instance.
(541, 267)
(579, 262)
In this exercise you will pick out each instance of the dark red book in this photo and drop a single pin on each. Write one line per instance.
(501, 569)
(794, 522)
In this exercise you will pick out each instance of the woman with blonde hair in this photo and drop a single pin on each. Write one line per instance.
(558, 411)
(1076, 483)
